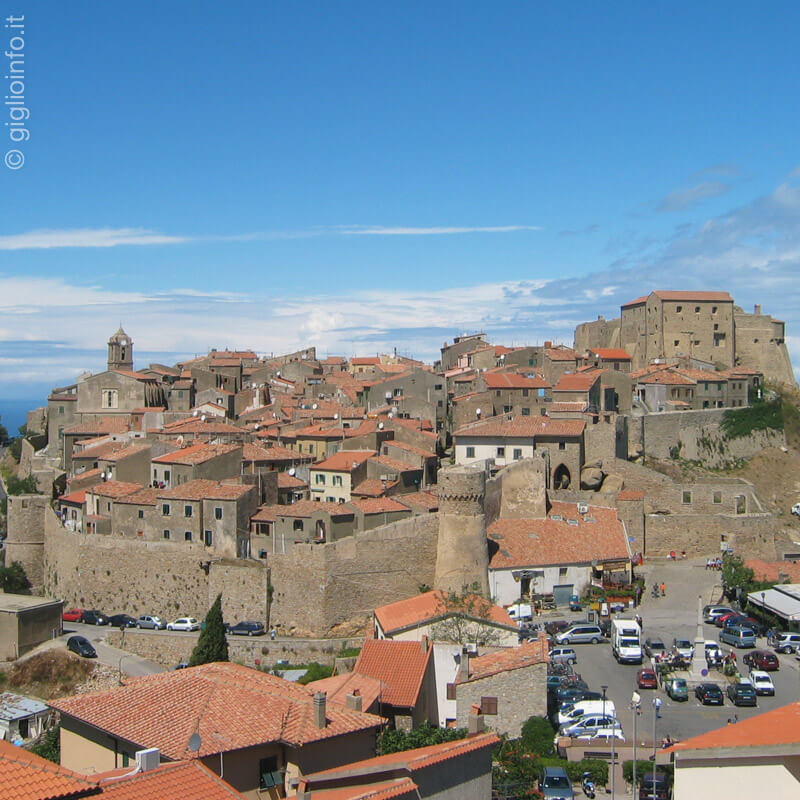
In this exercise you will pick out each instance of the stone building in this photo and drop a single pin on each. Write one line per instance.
(26, 622)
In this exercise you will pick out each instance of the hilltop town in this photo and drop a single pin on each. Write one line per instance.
(342, 498)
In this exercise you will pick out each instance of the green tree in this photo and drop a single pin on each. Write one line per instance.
(13, 579)
(212, 644)
(393, 741)
(16, 485)
(315, 672)
(537, 736)
(50, 745)
(3, 433)
(466, 618)
(736, 577)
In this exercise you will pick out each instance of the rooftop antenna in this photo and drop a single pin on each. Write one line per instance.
(195, 741)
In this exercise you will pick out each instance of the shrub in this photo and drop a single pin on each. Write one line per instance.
(49, 746)
(315, 672)
(13, 579)
(740, 422)
(394, 741)
(537, 736)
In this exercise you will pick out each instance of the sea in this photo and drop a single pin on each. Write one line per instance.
(14, 411)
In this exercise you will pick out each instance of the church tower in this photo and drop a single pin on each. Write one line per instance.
(120, 351)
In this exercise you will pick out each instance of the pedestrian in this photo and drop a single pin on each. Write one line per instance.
(708, 563)
(273, 633)
(657, 706)
(735, 718)
(663, 588)
(636, 701)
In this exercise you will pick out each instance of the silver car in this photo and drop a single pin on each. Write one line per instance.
(151, 621)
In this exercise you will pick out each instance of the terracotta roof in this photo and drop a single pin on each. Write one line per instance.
(399, 666)
(90, 473)
(394, 464)
(630, 494)
(610, 353)
(224, 362)
(115, 488)
(344, 460)
(421, 501)
(187, 780)
(378, 505)
(709, 297)
(522, 427)
(103, 450)
(183, 385)
(390, 789)
(126, 452)
(196, 454)
(667, 377)
(781, 726)
(526, 655)
(365, 361)
(512, 380)
(338, 687)
(598, 534)
(145, 497)
(196, 425)
(409, 448)
(287, 481)
(76, 498)
(774, 570)
(575, 382)
(202, 489)
(567, 405)
(702, 375)
(254, 452)
(103, 425)
(637, 301)
(302, 508)
(135, 375)
(428, 606)
(231, 706)
(372, 487)
(561, 353)
(25, 776)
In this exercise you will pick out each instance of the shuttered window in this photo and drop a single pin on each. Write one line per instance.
(489, 705)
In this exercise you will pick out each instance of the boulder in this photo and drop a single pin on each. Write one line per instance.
(613, 483)
(592, 478)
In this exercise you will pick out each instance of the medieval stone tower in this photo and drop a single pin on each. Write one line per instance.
(25, 542)
(462, 556)
(120, 351)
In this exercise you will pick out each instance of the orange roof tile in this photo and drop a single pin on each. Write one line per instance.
(598, 534)
(707, 297)
(421, 501)
(195, 454)
(394, 464)
(115, 489)
(344, 460)
(78, 498)
(429, 606)
(630, 494)
(231, 706)
(391, 789)
(25, 776)
(512, 380)
(561, 353)
(526, 655)
(254, 452)
(146, 497)
(378, 505)
(610, 353)
(103, 425)
(338, 687)
(399, 666)
(302, 508)
(202, 489)
(780, 726)
(575, 382)
(522, 427)
(365, 361)
(409, 448)
(372, 487)
(287, 481)
(667, 377)
(187, 780)
(774, 570)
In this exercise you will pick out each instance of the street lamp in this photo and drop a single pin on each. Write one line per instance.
(655, 717)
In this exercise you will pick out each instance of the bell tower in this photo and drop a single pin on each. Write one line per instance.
(120, 351)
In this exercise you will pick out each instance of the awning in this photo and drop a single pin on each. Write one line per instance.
(783, 601)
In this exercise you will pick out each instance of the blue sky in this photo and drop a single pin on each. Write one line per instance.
(362, 175)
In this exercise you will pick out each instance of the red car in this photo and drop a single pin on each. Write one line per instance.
(762, 659)
(73, 615)
(720, 621)
(646, 679)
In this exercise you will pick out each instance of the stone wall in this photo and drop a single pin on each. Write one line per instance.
(168, 649)
(330, 588)
(25, 542)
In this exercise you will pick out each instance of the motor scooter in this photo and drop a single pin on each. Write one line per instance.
(588, 785)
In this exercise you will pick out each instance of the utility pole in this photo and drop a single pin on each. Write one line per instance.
(655, 717)
(636, 707)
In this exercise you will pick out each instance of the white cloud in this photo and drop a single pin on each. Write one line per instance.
(681, 199)
(380, 230)
(45, 239)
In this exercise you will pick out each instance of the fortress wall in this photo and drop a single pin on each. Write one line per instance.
(25, 542)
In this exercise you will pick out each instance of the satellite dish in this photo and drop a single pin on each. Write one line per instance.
(380, 426)
(477, 412)
(195, 741)
(194, 413)
(256, 426)
(388, 395)
(336, 416)
(203, 418)
(390, 415)
(394, 409)
(314, 406)
(278, 374)
(293, 472)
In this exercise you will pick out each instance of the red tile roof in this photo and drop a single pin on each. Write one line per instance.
(183, 780)
(378, 505)
(701, 297)
(399, 666)
(135, 375)
(394, 464)
(146, 497)
(575, 382)
(429, 606)
(522, 427)
(115, 489)
(781, 726)
(287, 481)
(338, 687)
(561, 353)
(25, 776)
(365, 361)
(526, 655)
(372, 487)
(201, 489)
(254, 452)
(512, 380)
(231, 706)
(549, 541)
(76, 498)
(630, 494)
(391, 789)
(344, 460)
(103, 450)
(610, 353)
(409, 448)
(774, 570)
(667, 377)
(421, 501)
(302, 508)
(196, 454)
(103, 425)
(126, 452)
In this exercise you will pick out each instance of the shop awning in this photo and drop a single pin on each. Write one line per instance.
(783, 601)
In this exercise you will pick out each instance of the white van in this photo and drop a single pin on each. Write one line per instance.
(572, 712)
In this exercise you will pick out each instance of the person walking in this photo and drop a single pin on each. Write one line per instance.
(657, 706)
(663, 588)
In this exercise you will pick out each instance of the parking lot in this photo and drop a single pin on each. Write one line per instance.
(675, 615)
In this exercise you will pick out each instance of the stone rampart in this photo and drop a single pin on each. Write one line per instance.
(25, 542)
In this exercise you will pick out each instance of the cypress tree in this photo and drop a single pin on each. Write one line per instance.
(212, 645)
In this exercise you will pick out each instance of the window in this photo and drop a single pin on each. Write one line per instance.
(716, 498)
(713, 309)
(506, 409)
(141, 513)
(126, 760)
(489, 705)
(741, 504)
(297, 525)
(526, 412)
(676, 342)
(187, 535)
(110, 398)
(166, 475)
(697, 309)
(337, 480)
(61, 409)
(165, 509)
(439, 404)
(679, 309)
(209, 538)
(262, 553)
(451, 691)
(501, 452)
(562, 445)
(269, 775)
(218, 512)
(562, 572)
(470, 452)
(187, 511)
(166, 534)
(524, 392)
(319, 479)
(438, 387)
(517, 453)
(686, 498)
(180, 392)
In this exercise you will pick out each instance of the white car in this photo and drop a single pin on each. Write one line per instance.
(603, 735)
(561, 655)
(683, 647)
(762, 682)
(184, 624)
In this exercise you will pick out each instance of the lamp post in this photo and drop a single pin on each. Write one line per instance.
(636, 702)
(604, 688)
(655, 717)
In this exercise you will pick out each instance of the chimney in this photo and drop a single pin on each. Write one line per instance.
(353, 700)
(757, 308)
(463, 671)
(319, 709)
(548, 344)
(423, 643)
(476, 723)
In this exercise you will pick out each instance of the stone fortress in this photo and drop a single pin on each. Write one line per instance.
(328, 586)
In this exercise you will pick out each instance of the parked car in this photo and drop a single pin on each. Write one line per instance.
(709, 694)
(762, 682)
(122, 621)
(710, 613)
(73, 615)
(677, 689)
(654, 787)
(742, 693)
(246, 629)
(571, 712)
(654, 648)
(590, 723)
(720, 620)
(151, 621)
(763, 660)
(744, 621)
(555, 626)
(563, 655)
(683, 647)
(580, 634)
(94, 617)
(554, 784)
(184, 624)
(181, 665)
(603, 735)
(787, 643)
(738, 637)
(646, 679)
(82, 646)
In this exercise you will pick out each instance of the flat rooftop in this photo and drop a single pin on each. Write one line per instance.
(24, 602)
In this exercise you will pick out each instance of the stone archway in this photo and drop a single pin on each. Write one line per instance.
(561, 477)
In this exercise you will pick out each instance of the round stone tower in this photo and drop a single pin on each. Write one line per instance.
(120, 351)
(462, 557)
